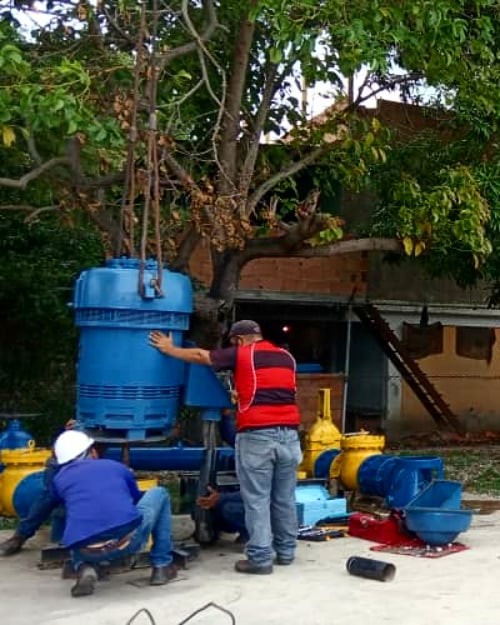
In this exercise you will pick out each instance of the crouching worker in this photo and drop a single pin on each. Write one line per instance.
(107, 516)
(228, 511)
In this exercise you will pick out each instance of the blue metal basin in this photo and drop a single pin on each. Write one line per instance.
(437, 526)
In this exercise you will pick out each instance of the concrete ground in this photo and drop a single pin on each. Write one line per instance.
(458, 589)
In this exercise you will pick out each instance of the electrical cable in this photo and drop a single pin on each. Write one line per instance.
(205, 607)
(146, 612)
(211, 604)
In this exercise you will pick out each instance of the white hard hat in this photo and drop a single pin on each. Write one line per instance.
(71, 444)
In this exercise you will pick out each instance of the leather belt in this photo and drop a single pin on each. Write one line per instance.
(107, 546)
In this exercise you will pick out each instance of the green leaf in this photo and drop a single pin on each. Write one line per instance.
(275, 55)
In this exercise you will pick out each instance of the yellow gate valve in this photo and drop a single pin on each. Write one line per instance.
(356, 448)
(323, 433)
(18, 463)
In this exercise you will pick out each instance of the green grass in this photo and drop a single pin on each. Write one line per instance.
(7, 523)
(478, 469)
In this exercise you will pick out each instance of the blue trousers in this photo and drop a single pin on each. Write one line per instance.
(154, 507)
(43, 508)
(229, 515)
(266, 464)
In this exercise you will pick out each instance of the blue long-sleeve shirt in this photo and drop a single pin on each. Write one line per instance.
(99, 495)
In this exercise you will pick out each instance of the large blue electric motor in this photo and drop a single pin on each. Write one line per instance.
(126, 389)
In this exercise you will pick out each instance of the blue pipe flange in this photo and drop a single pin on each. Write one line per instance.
(321, 467)
(385, 474)
(375, 474)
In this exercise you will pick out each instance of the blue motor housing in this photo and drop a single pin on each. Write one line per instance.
(125, 388)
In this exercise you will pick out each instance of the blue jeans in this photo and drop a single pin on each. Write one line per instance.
(42, 508)
(229, 514)
(266, 463)
(154, 507)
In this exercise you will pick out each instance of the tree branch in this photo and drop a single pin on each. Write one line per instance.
(178, 170)
(295, 167)
(32, 149)
(33, 211)
(23, 182)
(188, 244)
(231, 123)
(351, 246)
(388, 84)
(206, 35)
(276, 247)
(248, 167)
(114, 25)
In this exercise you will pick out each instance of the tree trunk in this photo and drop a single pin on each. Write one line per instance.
(212, 314)
(226, 275)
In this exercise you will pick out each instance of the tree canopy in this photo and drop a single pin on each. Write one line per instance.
(168, 122)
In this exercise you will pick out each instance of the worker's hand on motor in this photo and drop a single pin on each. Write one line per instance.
(210, 500)
(162, 342)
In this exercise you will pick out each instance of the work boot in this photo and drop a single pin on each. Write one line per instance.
(12, 545)
(69, 572)
(161, 575)
(283, 561)
(247, 566)
(85, 583)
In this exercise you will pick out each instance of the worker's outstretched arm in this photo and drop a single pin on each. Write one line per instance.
(164, 344)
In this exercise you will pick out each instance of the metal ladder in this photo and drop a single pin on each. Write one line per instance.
(410, 371)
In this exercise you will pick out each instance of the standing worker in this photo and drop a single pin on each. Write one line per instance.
(267, 442)
(107, 516)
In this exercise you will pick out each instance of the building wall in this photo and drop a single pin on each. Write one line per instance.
(471, 387)
(407, 282)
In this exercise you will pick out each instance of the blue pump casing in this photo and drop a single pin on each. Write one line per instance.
(398, 479)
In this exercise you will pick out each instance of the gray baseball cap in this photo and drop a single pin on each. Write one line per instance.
(243, 327)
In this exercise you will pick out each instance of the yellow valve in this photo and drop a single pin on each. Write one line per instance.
(322, 435)
(145, 484)
(356, 448)
(18, 464)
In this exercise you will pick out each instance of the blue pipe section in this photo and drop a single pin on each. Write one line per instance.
(321, 468)
(398, 479)
(171, 458)
(27, 490)
(141, 459)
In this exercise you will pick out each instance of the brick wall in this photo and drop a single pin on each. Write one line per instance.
(338, 275)
(308, 385)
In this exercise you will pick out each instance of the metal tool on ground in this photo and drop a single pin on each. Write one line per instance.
(319, 534)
